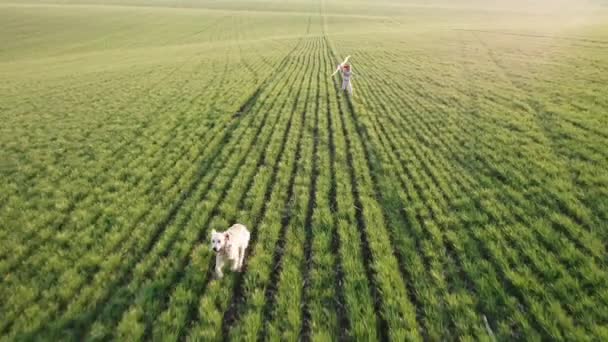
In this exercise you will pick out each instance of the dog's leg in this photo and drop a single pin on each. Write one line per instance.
(241, 258)
(219, 264)
(235, 261)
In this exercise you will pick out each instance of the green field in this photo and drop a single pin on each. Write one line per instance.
(461, 193)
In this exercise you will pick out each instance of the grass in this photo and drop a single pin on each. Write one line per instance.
(461, 193)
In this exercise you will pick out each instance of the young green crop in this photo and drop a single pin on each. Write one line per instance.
(460, 193)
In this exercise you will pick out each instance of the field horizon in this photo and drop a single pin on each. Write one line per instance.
(460, 193)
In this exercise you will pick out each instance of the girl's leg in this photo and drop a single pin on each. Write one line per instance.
(344, 85)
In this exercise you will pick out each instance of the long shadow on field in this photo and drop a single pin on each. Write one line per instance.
(82, 196)
(94, 222)
(382, 324)
(200, 289)
(76, 327)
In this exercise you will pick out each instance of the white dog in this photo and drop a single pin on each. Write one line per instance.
(230, 246)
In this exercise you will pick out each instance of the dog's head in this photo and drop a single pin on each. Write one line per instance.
(218, 240)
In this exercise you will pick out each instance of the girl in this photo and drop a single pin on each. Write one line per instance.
(344, 67)
(346, 75)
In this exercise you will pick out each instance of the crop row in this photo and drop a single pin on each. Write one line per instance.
(179, 306)
(155, 210)
(441, 175)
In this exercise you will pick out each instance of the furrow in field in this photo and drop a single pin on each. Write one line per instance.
(429, 255)
(103, 175)
(397, 311)
(85, 200)
(394, 138)
(550, 199)
(175, 158)
(284, 322)
(365, 249)
(332, 206)
(422, 157)
(151, 181)
(226, 215)
(214, 303)
(265, 179)
(570, 151)
(296, 106)
(85, 236)
(469, 129)
(355, 293)
(231, 314)
(312, 255)
(546, 121)
(117, 152)
(503, 123)
(200, 175)
(204, 218)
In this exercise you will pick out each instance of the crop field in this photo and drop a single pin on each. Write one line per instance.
(461, 192)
